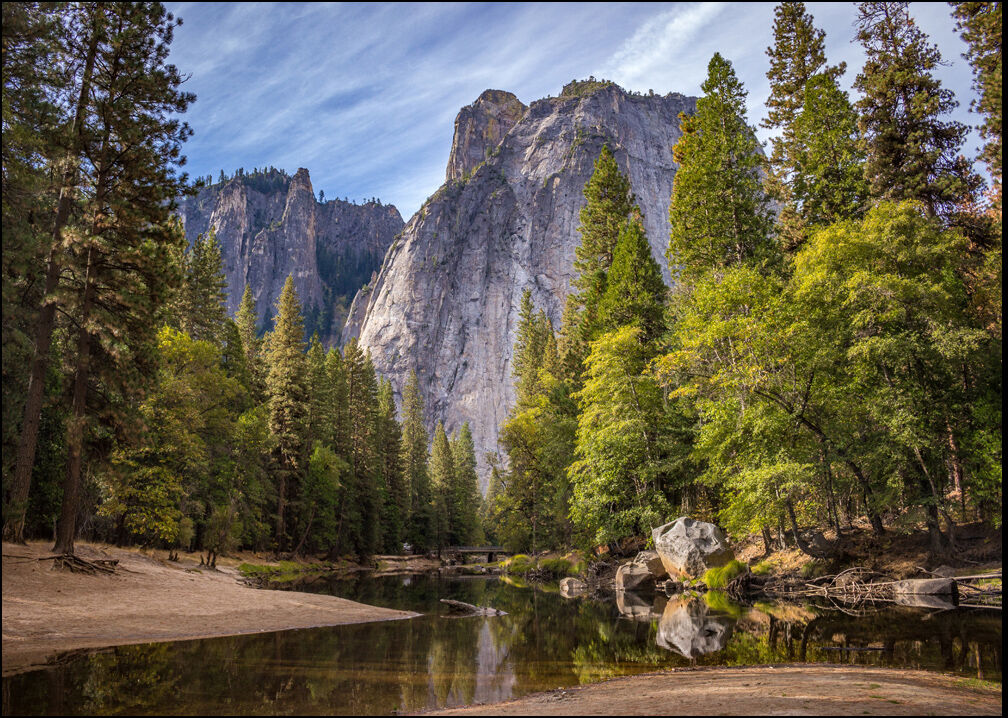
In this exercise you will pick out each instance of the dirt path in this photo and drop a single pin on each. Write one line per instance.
(46, 611)
(801, 690)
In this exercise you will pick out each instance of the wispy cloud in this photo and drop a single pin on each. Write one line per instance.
(364, 95)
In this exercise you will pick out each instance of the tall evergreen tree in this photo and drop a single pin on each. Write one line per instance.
(245, 319)
(122, 268)
(980, 26)
(719, 213)
(30, 103)
(359, 512)
(442, 481)
(609, 201)
(798, 54)
(912, 147)
(465, 493)
(635, 292)
(414, 463)
(388, 440)
(287, 388)
(204, 299)
(828, 183)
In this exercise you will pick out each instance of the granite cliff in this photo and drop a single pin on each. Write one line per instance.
(446, 299)
(270, 224)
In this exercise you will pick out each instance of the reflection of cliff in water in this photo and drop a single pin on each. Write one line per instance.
(691, 628)
(545, 642)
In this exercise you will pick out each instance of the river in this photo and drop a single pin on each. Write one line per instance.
(545, 641)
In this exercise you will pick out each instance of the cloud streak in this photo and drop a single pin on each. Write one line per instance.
(365, 95)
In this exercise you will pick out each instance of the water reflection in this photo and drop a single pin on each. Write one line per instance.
(544, 642)
(691, 629)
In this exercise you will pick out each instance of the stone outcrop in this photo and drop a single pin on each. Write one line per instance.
(445, 302)
(688, 547)
(270, 224)
(479, 128)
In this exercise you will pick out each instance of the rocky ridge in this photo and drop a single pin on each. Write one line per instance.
(270, 224)
(446, 299)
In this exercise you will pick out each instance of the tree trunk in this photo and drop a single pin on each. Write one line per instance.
(67, 528)
(767, 541)
(28, 440)
(799, 541)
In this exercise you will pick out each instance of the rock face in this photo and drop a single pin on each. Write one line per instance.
(446, 300)
(270, 224)
(688, 547)
(479, 128)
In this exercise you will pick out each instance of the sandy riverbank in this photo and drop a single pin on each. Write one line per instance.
(46, 611)
(786, 690)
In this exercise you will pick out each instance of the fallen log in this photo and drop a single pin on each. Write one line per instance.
(461, 608)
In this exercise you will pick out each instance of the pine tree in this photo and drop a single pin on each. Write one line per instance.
(442, 481)
(388, 442)
(912, 150)
(797, 55)
(828, 183)
(31, 229)
(287, 389)
(204, 299)
(321, 398)
(359, 512)
(980, 26)
(719, 213)
(122, 267)
(247, 322)
(609, 201)
(465, 492)
(31, 52)
(635, 292)
(414, 464)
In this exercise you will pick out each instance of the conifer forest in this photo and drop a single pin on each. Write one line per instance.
(829, 349)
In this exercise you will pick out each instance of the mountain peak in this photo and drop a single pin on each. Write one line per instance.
(479, 129)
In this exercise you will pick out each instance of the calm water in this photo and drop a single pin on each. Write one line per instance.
(544, 642)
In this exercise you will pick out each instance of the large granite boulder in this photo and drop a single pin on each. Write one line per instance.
(688, 547)
(653, 563)
(690, 629)
(634, 577)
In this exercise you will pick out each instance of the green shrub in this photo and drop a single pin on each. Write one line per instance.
(519, 564)
(556, 567)
(716, 578)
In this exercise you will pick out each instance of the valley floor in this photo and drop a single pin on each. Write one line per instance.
(762, 690)
(47, 611)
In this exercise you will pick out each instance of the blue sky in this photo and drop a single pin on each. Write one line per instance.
(365, 95)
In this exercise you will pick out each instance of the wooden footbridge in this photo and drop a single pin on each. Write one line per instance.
(467, 552)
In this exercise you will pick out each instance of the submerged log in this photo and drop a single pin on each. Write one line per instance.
(461, 608)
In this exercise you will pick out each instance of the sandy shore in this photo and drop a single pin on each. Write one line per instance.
(790, 690)
(46, 611)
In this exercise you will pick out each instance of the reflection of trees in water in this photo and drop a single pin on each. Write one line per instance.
(545, 641)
